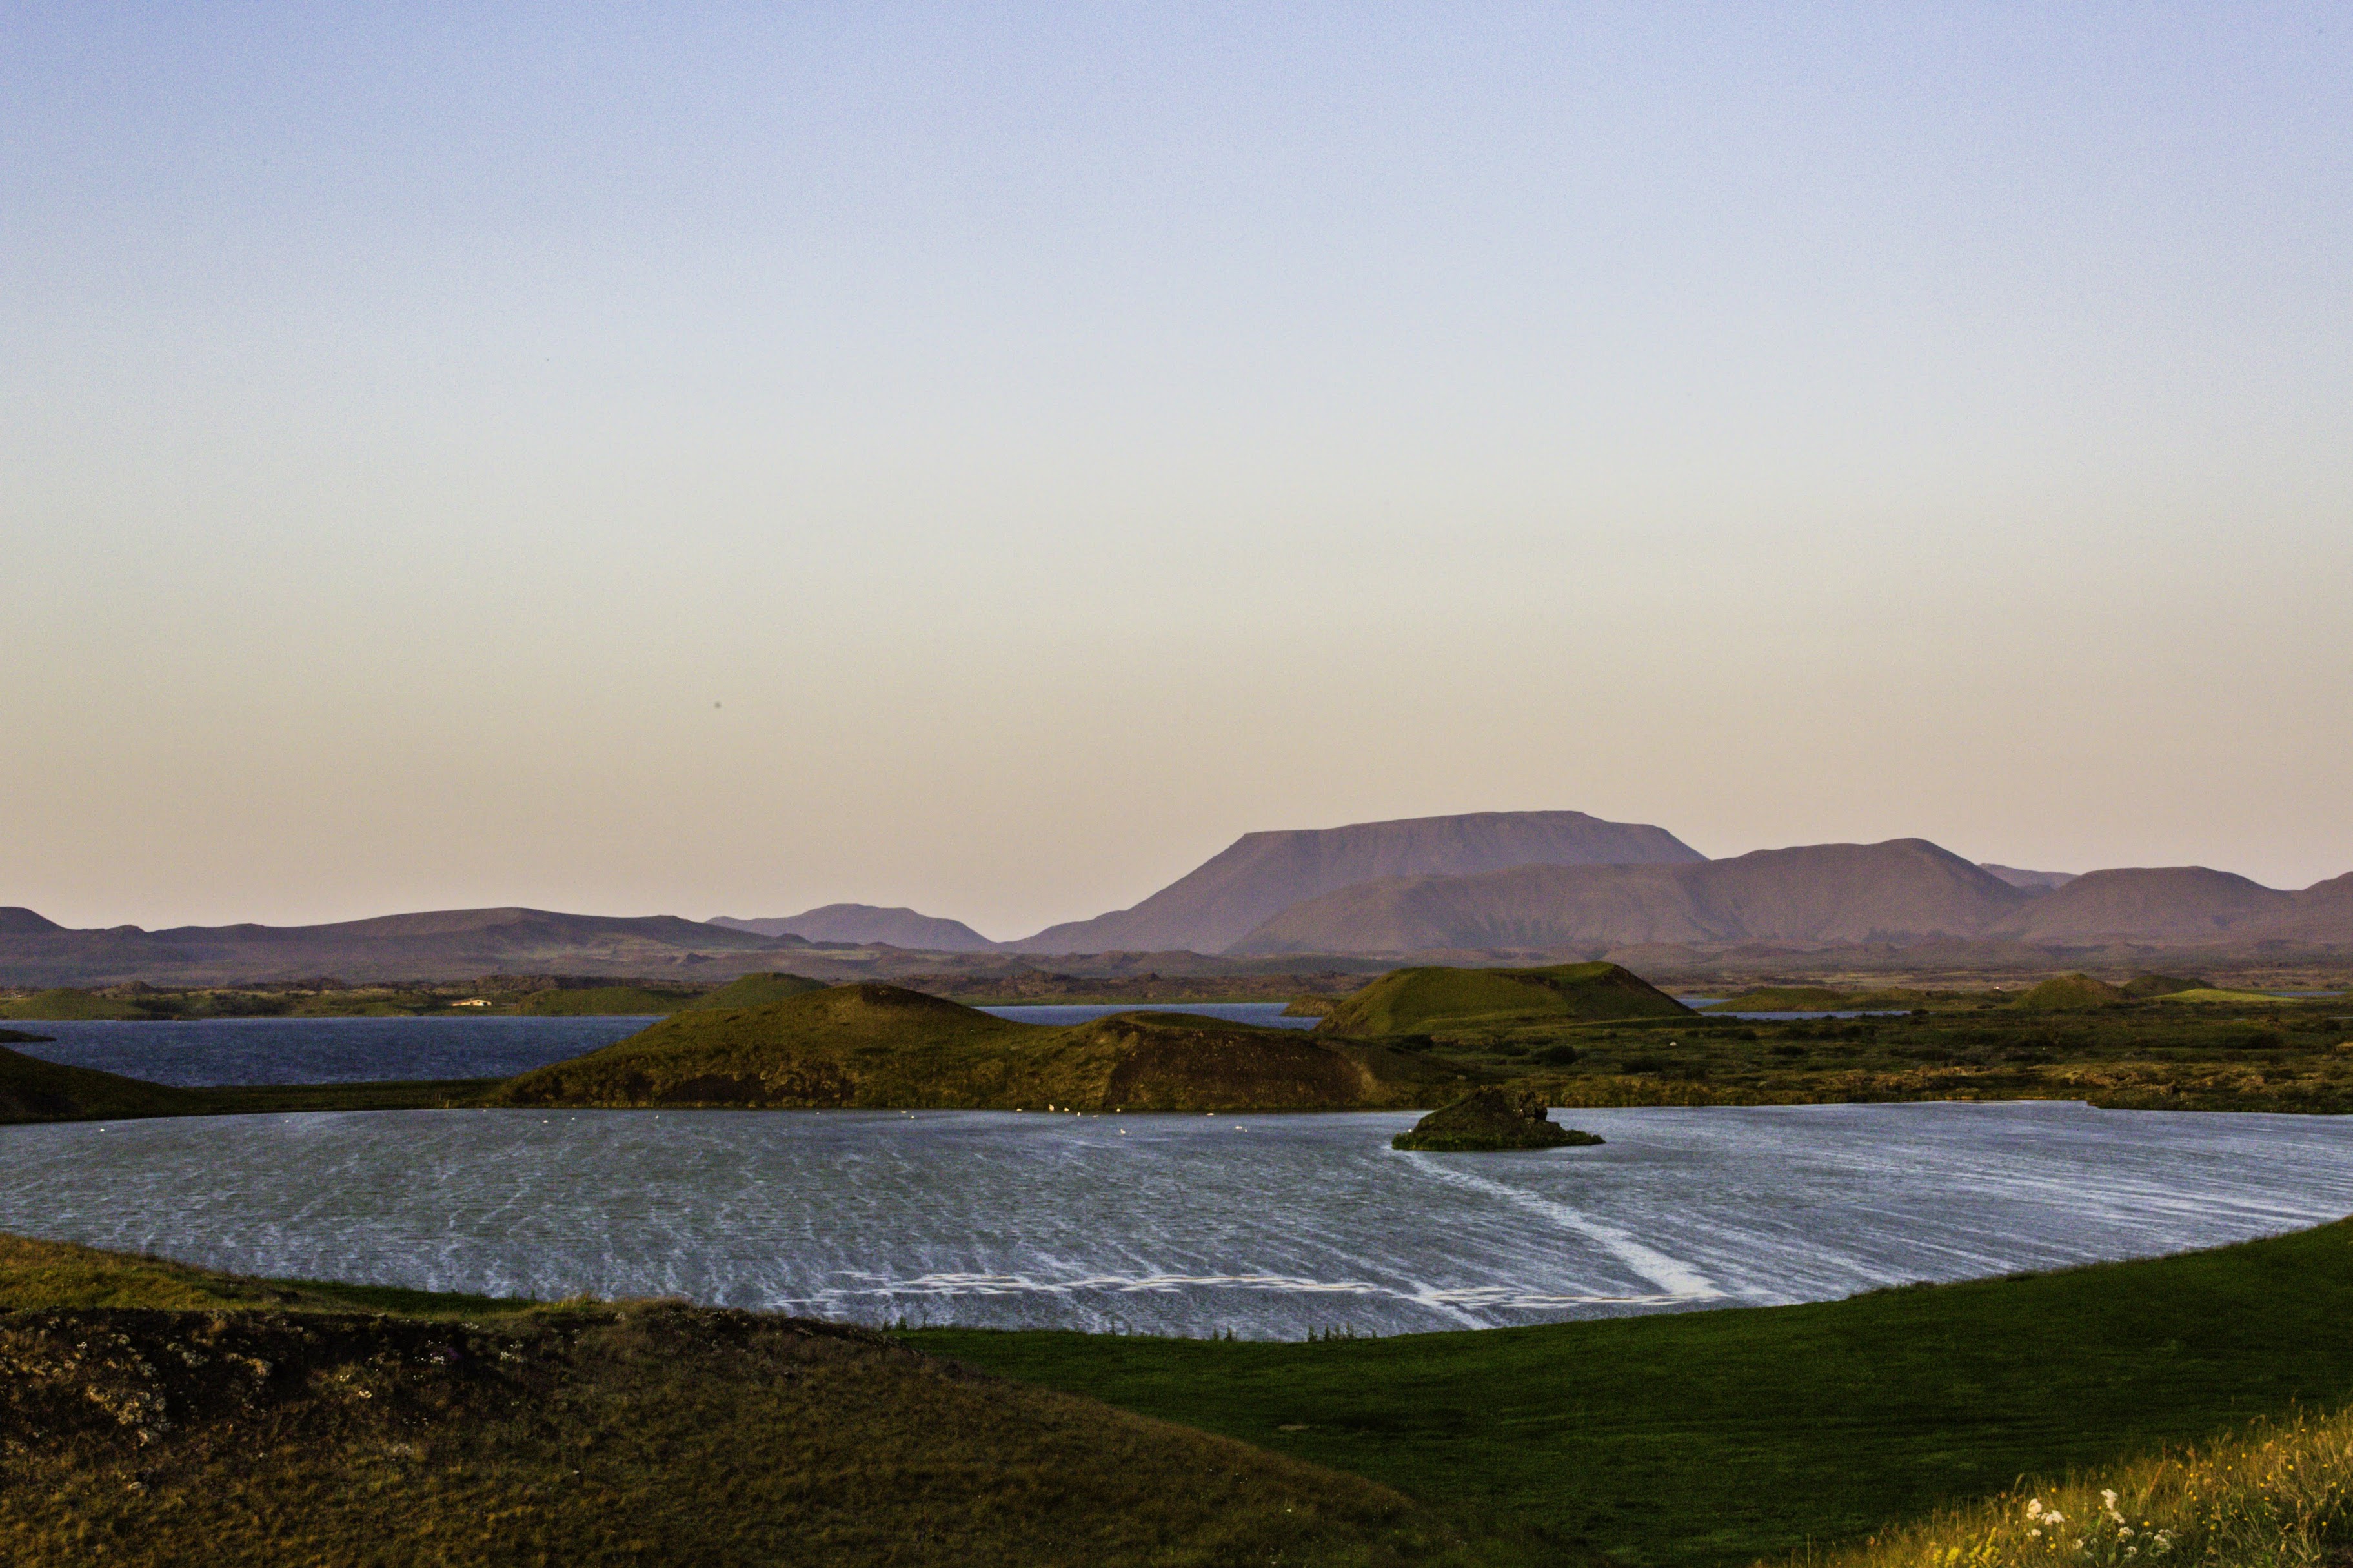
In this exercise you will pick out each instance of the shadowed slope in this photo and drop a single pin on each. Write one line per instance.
(239, 1421)
(1413, 1001)
(1261, 874)
(881, 1047)
(35, 1090)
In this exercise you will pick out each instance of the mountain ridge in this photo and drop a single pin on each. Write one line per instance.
(897, 926)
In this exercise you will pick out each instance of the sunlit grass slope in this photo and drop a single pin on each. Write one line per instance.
(151, 1415)
(879, 1045)
(756, 991)
(1412, 1001)
(2279, 1495)
(1716, 1437)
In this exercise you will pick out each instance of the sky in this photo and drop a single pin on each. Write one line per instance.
(721, 460)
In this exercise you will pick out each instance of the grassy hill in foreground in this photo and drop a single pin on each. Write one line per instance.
(879, 1045)
(1413, 1001)
(1715, 1438)
(155, 1414)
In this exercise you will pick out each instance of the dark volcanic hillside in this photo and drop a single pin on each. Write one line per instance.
(1905, 890)
(2169, 903)
(1263, 874)
(863, 923)
(443, 942)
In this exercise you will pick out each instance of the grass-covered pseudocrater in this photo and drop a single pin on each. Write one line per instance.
(1492, 1117)
(876, 1046)
(1414, 1001)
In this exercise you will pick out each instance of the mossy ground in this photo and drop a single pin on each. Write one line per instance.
(1488, 1118)
(2178, 1052)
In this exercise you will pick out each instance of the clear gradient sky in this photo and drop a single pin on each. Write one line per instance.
(721, 460)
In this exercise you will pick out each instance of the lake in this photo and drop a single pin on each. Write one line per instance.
(213, 1051)
(209, 1051)
(1272, 1226)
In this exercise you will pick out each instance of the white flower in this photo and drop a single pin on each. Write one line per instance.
(2052, 1516)
(2033, 1534)
(2109, 1498)
(2034, 1508)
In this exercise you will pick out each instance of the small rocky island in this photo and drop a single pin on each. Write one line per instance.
(1493, 1117)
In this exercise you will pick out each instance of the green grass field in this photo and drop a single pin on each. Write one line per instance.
(1718, 1437)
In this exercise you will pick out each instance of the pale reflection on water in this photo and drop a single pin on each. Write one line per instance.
(1265, 1225)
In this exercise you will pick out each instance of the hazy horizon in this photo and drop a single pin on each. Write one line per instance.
(987, 459)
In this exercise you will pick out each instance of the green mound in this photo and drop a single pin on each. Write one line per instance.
(882, 1047)
(35, 1090)
(62, 1005)
(1417, 1001)
(2067, 993)
(188, 1419)
(2147, 986)
(1781, 999)
(601, 1001)
(756, 991)
(1491, 1117)
(2218, 994)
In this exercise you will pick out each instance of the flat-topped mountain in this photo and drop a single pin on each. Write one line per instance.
(882, 1047)
(1260, 875)
(1906, 888)
(865, 924)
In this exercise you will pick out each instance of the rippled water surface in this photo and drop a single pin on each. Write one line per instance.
(209, 1051)
(1274, 1226)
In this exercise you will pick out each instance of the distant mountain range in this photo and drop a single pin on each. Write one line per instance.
(862, 924)
(1828, 895)
(441, 944)
(1560, 884)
